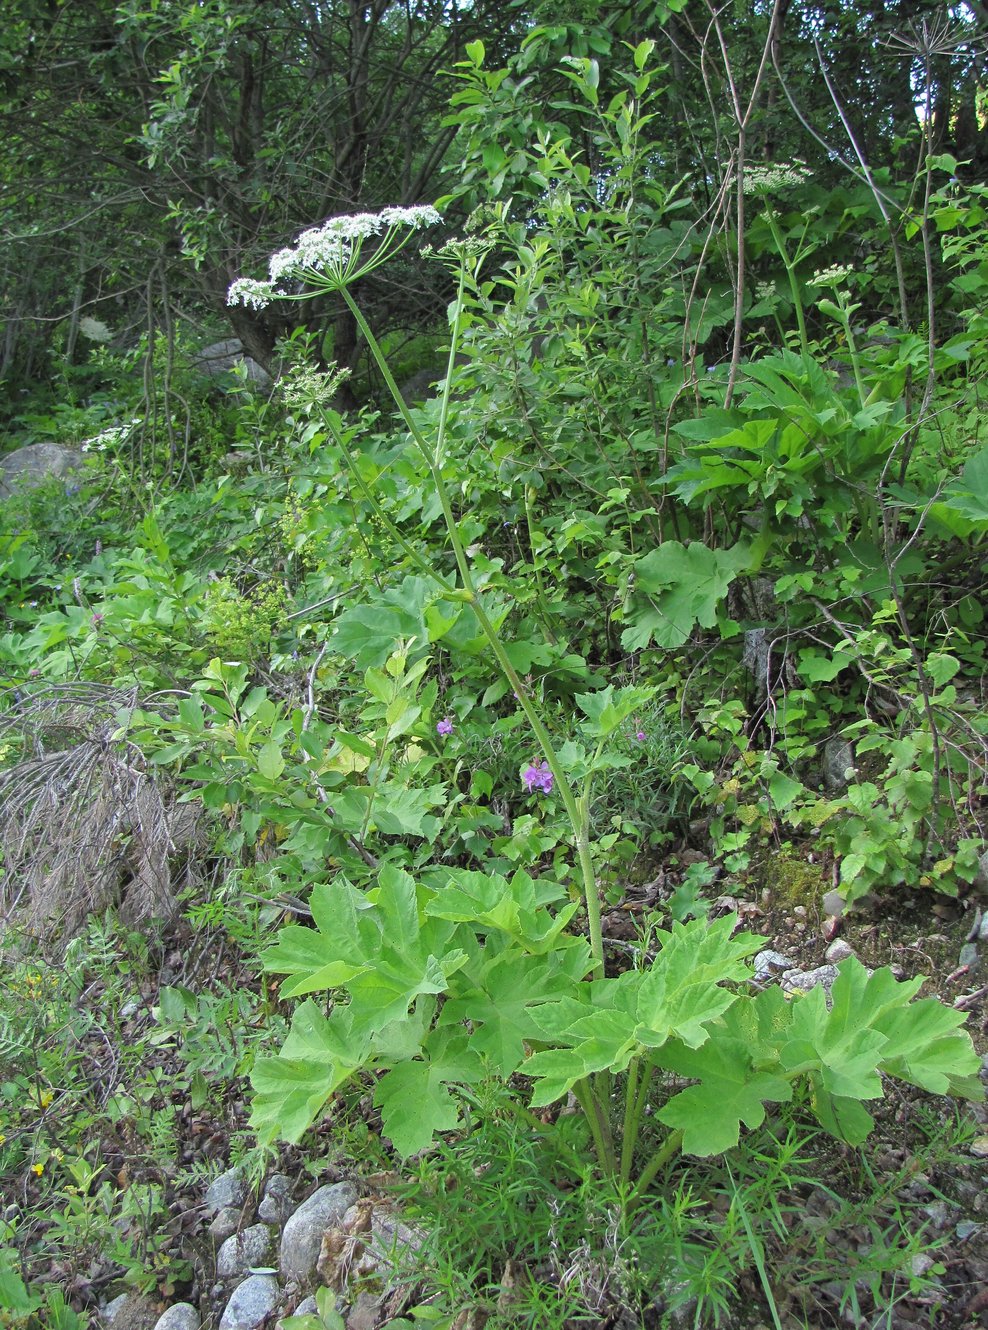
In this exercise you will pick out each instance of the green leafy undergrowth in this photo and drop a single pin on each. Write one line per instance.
(461, 978)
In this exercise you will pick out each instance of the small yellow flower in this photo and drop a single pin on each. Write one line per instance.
(3, 1139)
(37, 1169)
(46, 1098)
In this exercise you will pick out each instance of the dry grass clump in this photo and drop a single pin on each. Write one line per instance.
(85, 822)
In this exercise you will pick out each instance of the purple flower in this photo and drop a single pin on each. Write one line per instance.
(537, 777)
(445, 726)
(641, 736)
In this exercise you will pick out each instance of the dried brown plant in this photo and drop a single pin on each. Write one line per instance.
(85, 821)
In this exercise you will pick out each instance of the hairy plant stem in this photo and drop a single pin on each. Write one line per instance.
(648, 1174)
(790, 267)
(576, 811)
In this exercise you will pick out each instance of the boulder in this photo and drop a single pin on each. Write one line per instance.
(222, 357)
(27, 468)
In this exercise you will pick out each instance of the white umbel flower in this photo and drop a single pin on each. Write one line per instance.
(329, 257)
(245, 291)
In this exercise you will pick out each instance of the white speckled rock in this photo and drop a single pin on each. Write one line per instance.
(228, 1189)
(226, 1223)
(276, 1204)
(252, 1301)
(801, 981)
(179, 1316)
(307, 1307)
(302, 1235)
(839, 951)
(113, 1308)
(243, 1250)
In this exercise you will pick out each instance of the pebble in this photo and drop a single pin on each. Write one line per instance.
(801, 981)
(252, 1302)
(833, 903)
(179, 1316)
(226, 1223)
(983, 928)
(838, 951)
(969, 955)
(302, 1236)
(938, 1213)
(113, 1309)
(768, 962)
(228, 1189)
(276, 1205)
(242, 1251)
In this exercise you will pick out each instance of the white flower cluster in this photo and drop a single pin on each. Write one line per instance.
(773, 179)
(332, 251)
(245, 291)
(834, 276)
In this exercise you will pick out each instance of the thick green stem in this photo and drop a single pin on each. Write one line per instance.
(797, 300)
(577, 817)
(661, 1157)
(639, 1082)
(595, 1113)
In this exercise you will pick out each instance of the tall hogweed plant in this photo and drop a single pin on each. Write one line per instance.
(430, 982)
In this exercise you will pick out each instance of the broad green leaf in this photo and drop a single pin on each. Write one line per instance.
(817, 668)
(504, 993)
(415, 1098)
(319, 1055)
(609, 708)
(678, 587)
(491, 901)
(681, 992)
(731, 1091)
(783, 789)
(845, 1119)
(969, 495)
(836, 1044)
(367, 634)
(270, 760)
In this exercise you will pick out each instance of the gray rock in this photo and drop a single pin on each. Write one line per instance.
(980, 882)
(982, 933)
(226, 1223)
(302, 1235)
(366, 1312)
(838, 951)
(179, 1316)
(242, 1251)
(132, 1311)
(391, 1239)
(276, 1204)
(939, 1213)
(228, 1189)
(833, 903)
(222, 357)
(113, 1308)
(802, 981)
(769, 964)
(969, 955)
(27, 468)
(252, 1301)
(838, 760)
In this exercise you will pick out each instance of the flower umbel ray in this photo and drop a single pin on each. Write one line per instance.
(330, 257)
